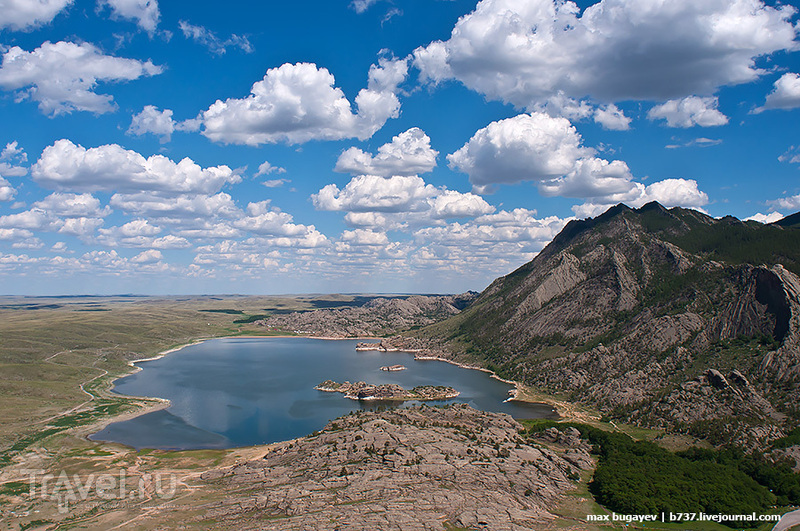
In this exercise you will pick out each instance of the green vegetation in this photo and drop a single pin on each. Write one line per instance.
(639, 477)
(777, 477)
(792, 439)
(728, 239)
(14, 488)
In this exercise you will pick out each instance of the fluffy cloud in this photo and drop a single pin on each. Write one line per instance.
(72, 205)
(25, 14)
(265, 220)
(689, 112)
(525, 51)
(785, 94)
(176, 208)
(408, 153)
(519, 226)
(265, 168)
(364, 237)
(112, 168)
(295, 103)
(14, 234)
(77, 215)
(790, 203)
(403, 195)
(215, 45)
(160, 123)
(486, 246)
(29, 220)
(669, 192)
(612, 118)
(7, 192)
(62, 76)
(140, 233)
(147, 257)
(144, 12)
(539, 148)
(10, 159)
(151, 120)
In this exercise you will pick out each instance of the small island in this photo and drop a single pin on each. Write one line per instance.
(389, 392)
(392, 368)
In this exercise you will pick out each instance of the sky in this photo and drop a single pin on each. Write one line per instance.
(372, 146)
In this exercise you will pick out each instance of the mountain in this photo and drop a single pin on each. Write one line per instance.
(664, 318)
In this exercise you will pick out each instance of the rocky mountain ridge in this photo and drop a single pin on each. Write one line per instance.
(666, 318)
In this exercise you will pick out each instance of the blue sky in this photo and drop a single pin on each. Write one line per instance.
(372, 145)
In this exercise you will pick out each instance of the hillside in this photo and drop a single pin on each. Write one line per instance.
(376, 317)
(666, 318)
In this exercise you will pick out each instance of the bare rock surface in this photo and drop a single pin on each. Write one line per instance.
(406, 468)
(387, 392)
(378, 317)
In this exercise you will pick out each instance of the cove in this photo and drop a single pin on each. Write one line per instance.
(234, 392)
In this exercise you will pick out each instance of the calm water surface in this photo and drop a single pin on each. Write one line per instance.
(245, 391)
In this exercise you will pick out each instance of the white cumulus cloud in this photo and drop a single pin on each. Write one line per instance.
(409, 153)
(525, 51)
(27, 14)
(72, 205)
(399, 194)
(62, 76)
(669, 192)
(11, 159)
(791, 203)
(542, 149)
(65, 165)
(689, 112)
(147, 257)
(612, 118)
(785, 94)
(180, 207)
(295, 103)
(151, 120)
(265, 168)
(144, 12)
(7, 192)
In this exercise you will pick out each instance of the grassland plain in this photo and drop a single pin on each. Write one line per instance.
(58, 359)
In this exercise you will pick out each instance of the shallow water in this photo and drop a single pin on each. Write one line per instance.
(246, 391)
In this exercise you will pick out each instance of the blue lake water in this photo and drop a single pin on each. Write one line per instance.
(235, 392)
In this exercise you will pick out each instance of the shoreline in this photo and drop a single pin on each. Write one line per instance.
(164, 403)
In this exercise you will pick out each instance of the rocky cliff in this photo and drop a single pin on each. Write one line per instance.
(658, 317)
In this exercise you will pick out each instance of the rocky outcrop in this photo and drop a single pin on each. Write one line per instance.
(407, 468)
(378, 317)
(387, 392)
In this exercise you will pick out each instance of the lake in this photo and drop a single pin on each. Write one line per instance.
(235, 392)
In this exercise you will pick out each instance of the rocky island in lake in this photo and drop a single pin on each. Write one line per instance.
(389, 392)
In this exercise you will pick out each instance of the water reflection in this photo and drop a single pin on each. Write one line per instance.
(245, 391)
